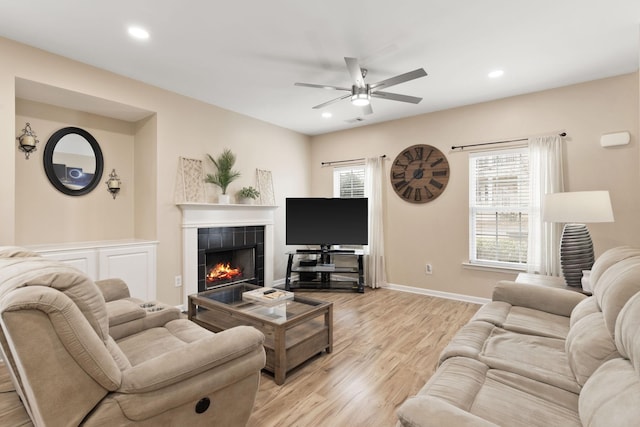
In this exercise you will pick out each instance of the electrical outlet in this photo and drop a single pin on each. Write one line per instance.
(428, 269)
(178, 281)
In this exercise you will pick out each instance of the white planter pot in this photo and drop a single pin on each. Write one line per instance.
(223, 199)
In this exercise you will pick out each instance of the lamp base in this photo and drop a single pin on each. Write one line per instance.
(576, 253)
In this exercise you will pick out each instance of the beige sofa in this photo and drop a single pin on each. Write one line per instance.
(538, 356)
(156, 369)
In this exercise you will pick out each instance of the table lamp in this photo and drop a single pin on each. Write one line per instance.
(575, 209)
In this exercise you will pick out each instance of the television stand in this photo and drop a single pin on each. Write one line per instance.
(339, 270)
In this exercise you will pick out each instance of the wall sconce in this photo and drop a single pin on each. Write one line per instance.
(27, 141)
(113, 183)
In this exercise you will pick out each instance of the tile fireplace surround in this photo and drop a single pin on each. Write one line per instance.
(209, 215)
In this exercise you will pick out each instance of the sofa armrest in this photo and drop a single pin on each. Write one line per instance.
(551, 300)
(197, 357)
(429, 411)
(113, 289)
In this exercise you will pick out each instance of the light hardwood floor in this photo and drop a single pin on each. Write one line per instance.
(386, 345)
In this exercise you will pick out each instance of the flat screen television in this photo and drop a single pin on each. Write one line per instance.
(326, 222)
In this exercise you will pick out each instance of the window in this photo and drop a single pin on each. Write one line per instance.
(348, 182)
(499, 207)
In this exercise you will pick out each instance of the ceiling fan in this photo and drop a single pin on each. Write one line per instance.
(361, 92)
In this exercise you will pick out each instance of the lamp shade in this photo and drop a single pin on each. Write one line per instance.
(578, 207)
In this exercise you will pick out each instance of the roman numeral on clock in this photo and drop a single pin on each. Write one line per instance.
(400, 185)
(407, 192)
(398, 175)
(429, 193)
(440, 173)
(402, 165)
(408, 155)
(419, 153)
(436, 184)
(437, 162)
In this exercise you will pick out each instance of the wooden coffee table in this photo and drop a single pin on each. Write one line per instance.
(294, 331)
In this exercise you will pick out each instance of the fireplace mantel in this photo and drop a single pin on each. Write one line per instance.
(206, 215)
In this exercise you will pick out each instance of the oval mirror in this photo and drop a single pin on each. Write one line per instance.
(73, 161)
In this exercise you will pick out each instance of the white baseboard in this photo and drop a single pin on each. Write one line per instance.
(438, 294)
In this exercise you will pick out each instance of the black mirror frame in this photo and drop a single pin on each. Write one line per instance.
(48, 161)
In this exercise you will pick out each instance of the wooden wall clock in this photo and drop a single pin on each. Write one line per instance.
(420, 173)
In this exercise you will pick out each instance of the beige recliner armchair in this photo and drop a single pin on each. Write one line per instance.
(69, 371)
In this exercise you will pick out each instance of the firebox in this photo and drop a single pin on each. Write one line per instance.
(226, 266)
(238, 250)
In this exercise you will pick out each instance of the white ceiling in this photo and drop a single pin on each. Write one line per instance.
(246, 55)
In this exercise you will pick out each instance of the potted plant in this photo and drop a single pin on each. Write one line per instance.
(224, 173)
(248, 194)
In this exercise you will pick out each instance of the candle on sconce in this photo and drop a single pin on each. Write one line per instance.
(28, 141)
(113, 183)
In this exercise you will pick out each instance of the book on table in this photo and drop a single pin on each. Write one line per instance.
(267, 296)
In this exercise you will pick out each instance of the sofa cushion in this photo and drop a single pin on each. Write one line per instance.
(469, 390)
(616, 285)
(468, 341)
(588, 345)
(540, 358)
(611, 395)
(530, 309)
(524, 320)
(584, 308)
(609, 258)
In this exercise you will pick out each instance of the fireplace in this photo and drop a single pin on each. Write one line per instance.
(210, 228)
(228, 255)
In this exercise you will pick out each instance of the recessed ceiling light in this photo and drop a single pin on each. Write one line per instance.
(326, 114)
(138, 33)
(496, 73)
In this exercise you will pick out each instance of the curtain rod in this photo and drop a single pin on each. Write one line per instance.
(346, 161)
(462, 147)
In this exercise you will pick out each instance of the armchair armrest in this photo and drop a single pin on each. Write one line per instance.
(195, 358)
(113, 289)
(551, 300)
(429, 411)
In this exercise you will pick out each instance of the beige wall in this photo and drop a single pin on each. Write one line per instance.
(39, 205)
(437, 232)
(434, 233)
(181, 126)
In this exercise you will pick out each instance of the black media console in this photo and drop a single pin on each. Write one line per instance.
(325, 270)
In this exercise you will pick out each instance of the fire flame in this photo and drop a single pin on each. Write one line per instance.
(222, 271)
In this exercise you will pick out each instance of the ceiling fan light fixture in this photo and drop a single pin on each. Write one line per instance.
(360, 99)
(360, 96)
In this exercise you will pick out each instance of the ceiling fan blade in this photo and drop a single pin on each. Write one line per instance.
(411, 75)
(324, 104)
(397, 97)
(355, 71)
(366, 109)
(328, 87)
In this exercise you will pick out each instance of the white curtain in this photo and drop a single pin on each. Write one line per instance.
(375, 275)
(545, 176)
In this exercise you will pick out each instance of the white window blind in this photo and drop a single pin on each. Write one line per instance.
(499, 206)
(348, 182)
